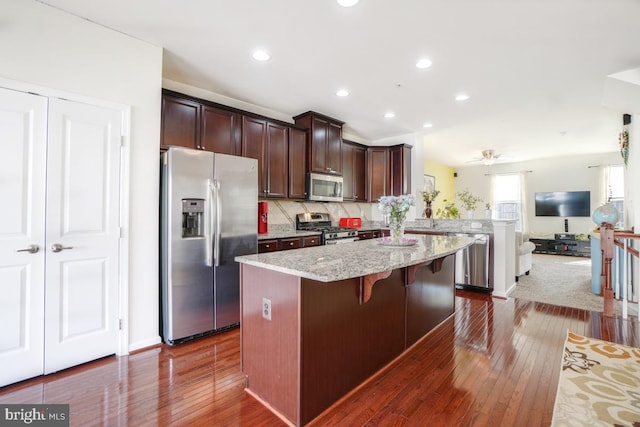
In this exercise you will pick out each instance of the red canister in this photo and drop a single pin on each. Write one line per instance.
(263, 210)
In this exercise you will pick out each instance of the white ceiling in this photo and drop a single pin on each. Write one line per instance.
(535, 69)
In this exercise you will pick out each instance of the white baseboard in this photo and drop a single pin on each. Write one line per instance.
(143, 344)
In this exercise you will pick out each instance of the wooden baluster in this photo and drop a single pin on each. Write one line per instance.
(606, 242)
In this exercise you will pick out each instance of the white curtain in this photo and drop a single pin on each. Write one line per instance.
(524, 217)
(603, 188)
(492, 200)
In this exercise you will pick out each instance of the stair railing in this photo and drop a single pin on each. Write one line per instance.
(625, 286)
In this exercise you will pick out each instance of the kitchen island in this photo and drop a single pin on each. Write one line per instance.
(317, 322)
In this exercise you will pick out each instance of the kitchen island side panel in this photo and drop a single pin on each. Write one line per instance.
(430, 298)
(344, 342)
(270, 354)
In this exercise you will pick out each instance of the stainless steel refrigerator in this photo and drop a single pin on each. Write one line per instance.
(209, 210)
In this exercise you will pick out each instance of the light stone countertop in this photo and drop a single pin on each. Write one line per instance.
(331, 263)
(280, 231)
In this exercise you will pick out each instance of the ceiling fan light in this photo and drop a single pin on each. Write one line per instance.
(488, 157)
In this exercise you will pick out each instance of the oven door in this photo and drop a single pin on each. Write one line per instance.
(324, 188)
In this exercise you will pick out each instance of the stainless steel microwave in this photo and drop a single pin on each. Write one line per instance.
(324, 188)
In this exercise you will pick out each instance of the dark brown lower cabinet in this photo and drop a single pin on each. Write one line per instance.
(429, 299)
(343, 342)
(324, 339)
(272, 245)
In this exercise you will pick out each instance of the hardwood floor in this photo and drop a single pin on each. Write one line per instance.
(494, 362)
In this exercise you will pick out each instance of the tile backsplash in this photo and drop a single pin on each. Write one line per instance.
(283, 212)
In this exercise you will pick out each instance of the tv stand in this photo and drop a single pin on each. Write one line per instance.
(563, 244)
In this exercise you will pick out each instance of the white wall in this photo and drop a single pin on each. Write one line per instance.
(632, 176)
(43, 46)
(575, 173)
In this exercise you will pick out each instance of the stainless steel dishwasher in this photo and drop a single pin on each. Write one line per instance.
(473, 266)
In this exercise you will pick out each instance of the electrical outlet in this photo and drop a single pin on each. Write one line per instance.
(266, 308)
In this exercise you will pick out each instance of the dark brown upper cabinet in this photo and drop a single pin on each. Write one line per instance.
(180, 122)
(192, 124)
(324, 142)
(354, 171)
(379, 173)
(400, 159)
(268, 143)
(276, 160)
(297, 163)
(220, 131)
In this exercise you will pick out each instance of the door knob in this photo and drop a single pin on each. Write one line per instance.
(57, 247)
(32, 249)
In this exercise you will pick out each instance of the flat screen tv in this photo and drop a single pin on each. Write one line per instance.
(563, 203)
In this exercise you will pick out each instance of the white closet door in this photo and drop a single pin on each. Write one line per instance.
(82, 233)
(23, 141)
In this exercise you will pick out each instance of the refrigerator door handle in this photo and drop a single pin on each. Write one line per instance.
(209, 226)
(216, 244)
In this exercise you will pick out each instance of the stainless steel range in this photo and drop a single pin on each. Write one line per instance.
(322, 222)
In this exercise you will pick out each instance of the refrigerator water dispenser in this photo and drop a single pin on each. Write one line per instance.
(192, 218)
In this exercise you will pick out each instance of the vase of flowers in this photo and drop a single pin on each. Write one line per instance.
(396, 208)
(428, 197)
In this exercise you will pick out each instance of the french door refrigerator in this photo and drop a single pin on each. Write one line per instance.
(209, 210)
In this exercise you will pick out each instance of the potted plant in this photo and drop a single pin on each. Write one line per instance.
(469, 201)
(448, 211)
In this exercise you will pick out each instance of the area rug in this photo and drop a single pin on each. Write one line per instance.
(565, 281)
(599, 384)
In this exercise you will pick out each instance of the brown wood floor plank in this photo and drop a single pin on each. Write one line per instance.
(495, 362)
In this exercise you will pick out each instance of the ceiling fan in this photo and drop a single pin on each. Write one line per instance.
(489, 157)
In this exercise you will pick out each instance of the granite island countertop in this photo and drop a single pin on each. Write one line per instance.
(331, 263)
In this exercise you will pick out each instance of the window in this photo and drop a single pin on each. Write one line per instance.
(615, 191)
(507, 199)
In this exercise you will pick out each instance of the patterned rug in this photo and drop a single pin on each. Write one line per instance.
(599, 384)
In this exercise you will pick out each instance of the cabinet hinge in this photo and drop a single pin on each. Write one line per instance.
(122, 140)
(120, 322)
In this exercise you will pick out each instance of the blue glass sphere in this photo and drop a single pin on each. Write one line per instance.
(606, 213)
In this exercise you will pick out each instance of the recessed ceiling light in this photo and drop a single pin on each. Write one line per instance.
(261, 55)
(389, 115)
(423, 63)
(427, 125)
(342, 93)
(462, 97)
(347, 3)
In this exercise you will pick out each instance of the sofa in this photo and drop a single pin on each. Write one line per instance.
(524, 251)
